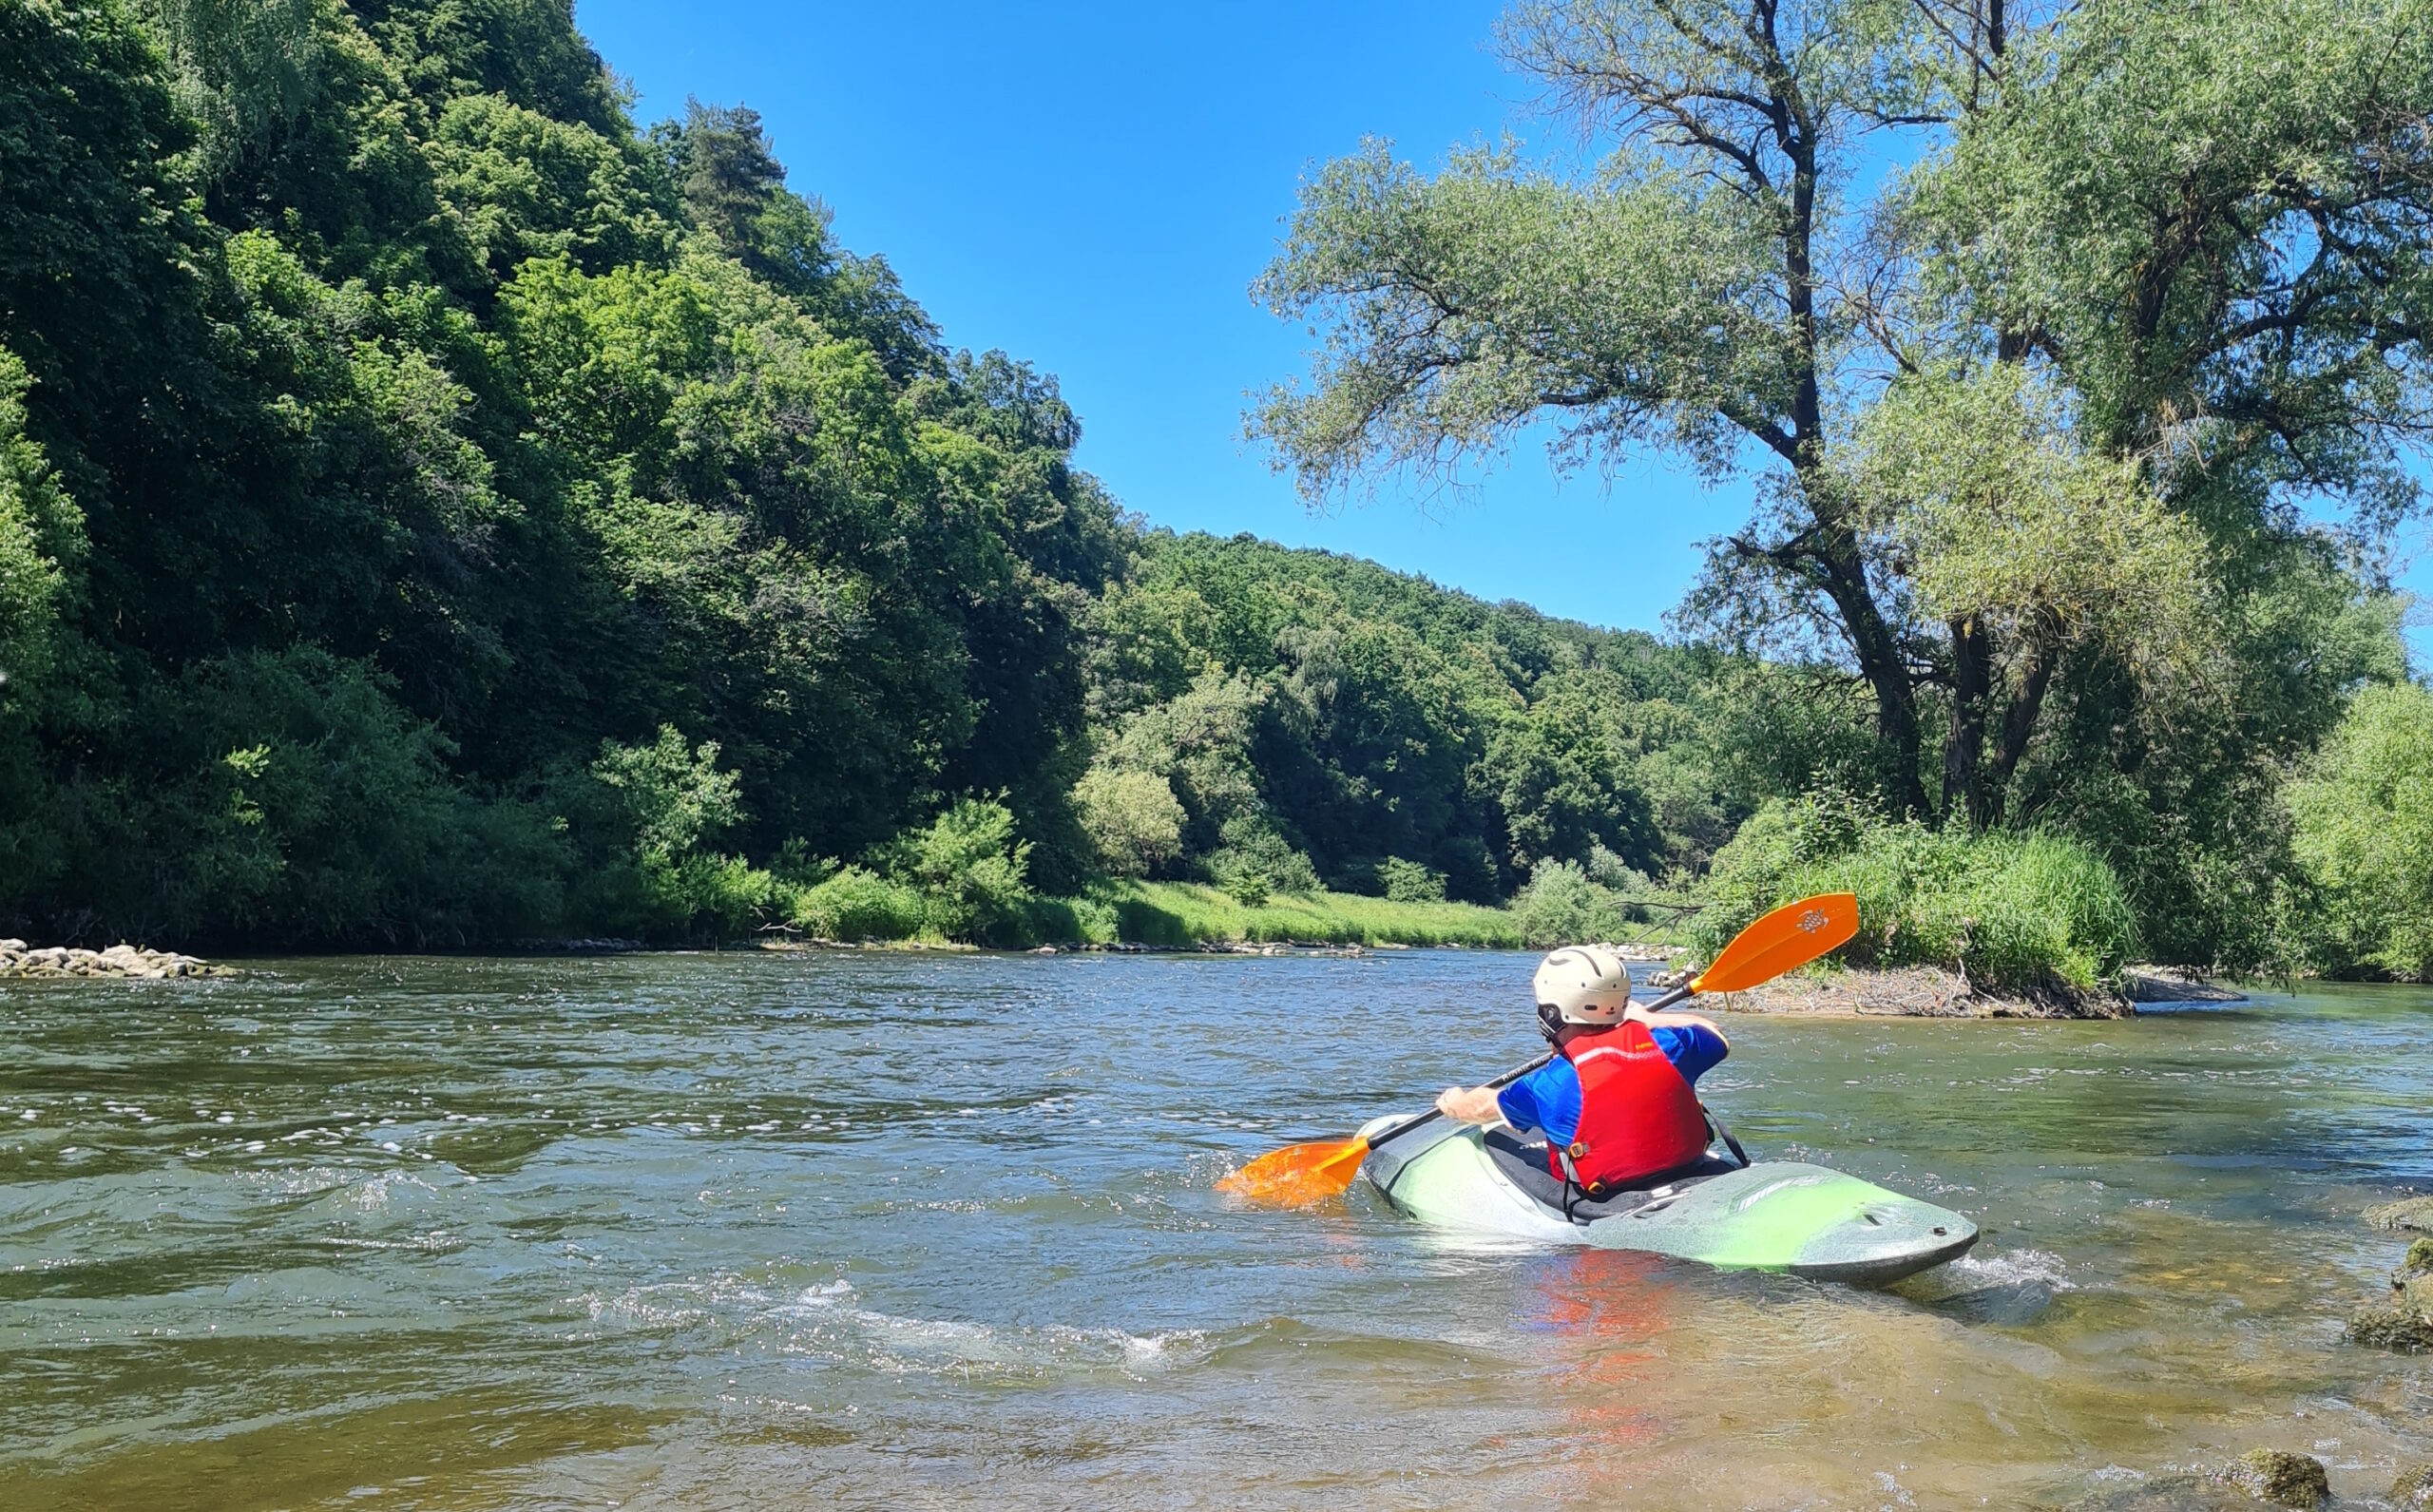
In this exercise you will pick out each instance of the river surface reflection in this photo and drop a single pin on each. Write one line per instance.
(888, 1231)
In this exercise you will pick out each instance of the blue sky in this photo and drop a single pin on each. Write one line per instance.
(1093, 186)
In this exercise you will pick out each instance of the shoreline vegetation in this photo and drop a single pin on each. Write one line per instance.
(1180, 918)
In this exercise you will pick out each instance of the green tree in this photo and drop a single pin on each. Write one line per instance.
(42, 548)
(2031, 426)
(1711, 289)
(2364, 811)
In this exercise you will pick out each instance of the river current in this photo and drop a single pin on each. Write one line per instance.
(925, 1231)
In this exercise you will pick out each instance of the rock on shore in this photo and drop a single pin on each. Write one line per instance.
(1916, 992)
(19, 960)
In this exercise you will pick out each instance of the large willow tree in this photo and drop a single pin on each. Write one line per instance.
(2038, 424)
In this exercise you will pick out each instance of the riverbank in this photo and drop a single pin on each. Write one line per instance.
(1135, 917)
(1907, 993)
(1930, 992)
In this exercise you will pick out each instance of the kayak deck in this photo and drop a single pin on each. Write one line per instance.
(1774, 1215)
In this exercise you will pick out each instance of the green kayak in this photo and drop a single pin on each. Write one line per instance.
(1772, 1216)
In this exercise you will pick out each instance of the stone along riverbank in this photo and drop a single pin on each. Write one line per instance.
(17, 959)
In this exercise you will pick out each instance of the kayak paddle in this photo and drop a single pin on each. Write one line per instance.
(1790, 936)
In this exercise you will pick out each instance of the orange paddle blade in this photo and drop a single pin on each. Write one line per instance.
(1299, 1174)
(1790, 936)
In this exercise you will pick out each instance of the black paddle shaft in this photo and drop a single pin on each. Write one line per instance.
(1671, 1000)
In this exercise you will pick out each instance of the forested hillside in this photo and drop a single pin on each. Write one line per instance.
(435, 510)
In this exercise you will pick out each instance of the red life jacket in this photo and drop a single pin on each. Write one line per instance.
(1638, 1114)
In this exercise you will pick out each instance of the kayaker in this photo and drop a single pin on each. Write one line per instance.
(1616, 1104)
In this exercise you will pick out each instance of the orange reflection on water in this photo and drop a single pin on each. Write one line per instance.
(1607, 1313)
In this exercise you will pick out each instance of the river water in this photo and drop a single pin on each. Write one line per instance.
(906, 1231)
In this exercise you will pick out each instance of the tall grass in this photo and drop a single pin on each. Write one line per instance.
(1183, 913)
(860, 905)
(2013, 912)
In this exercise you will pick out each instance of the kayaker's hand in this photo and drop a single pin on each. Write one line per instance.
(1470, 1104)
(1676, 1018)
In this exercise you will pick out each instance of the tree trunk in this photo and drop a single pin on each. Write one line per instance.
(1963, 746)
(1880, 661)
(2019, 720)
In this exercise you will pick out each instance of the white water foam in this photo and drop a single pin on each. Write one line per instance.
(825, 1322)
(958, 1345)
(2013, 1268)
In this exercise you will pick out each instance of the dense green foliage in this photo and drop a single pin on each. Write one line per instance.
(2365, 834)
(430, 508)
(433, 510)
(1294, 717)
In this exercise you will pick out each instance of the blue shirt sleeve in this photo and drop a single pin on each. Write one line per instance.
(1546, 1099)
(1694, 1049)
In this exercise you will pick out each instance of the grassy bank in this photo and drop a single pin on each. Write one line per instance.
(858, 905)
(2016, 914)
(1183, 913)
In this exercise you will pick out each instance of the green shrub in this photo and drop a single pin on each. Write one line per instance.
(970, 870)
(1608, 869)
(1410, 882)
(41, 541)
(1245, 885)
(961, 877)
(1560, 904)
(854, 904)
(647, 816)
(1132, 821)
(1256, 861)
(288, 796)
(2364, 814)
(2013, 912)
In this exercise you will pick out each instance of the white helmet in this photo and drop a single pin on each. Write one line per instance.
(1583, 984)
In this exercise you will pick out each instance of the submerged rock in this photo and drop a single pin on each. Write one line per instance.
(2408, 1213)
(2279, 1476)
(2168, 1493)
(2413, 1490)
(2402, 1327)
(2270, 1476)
